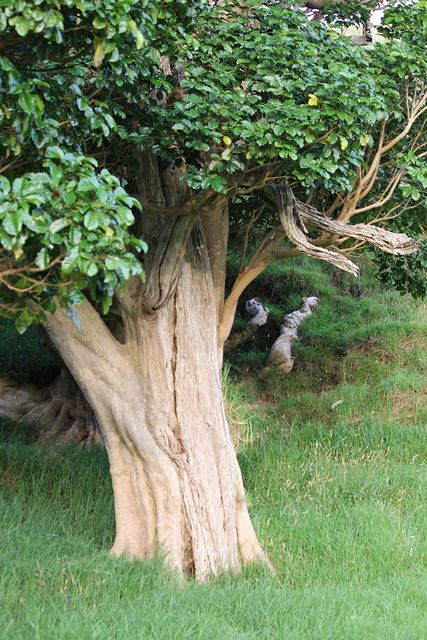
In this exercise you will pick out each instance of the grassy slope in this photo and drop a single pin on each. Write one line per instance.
(338, 497)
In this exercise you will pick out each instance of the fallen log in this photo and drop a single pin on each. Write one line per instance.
(281, 352)
(259, 318)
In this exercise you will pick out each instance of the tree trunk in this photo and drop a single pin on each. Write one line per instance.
(157, 397)
(215, 227)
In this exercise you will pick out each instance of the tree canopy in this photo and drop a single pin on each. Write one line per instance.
(234, 98)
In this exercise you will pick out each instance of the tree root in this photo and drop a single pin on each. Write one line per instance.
(59, 409)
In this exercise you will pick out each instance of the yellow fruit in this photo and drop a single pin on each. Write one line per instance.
(364, 140)
(99, 55)
(227, 141)
(343, 143)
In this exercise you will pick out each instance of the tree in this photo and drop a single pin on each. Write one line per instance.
(125, 134)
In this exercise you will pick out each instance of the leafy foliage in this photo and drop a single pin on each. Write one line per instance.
(65, 223)
(407, 274)
(56, 246)
(239, 98)
(285, 90)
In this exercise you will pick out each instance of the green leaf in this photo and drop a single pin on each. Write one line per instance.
(88, 267)
(139, 39)
(23, 321)
(75, 235)
(26, 103)
(12, 223)
(69, 197)
(85, 185)
(92, 220)
(22, 26)
(70, 260)
(99, 23)
(58, 225)
(124, 215)
(6, 240)
(106, 301)
(4, 186)
(219, 184)
(38, 224)
(42, 259)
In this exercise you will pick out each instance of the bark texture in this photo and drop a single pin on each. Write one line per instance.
(59, 409)
(158, 400)
(215, 227)
(294, 215)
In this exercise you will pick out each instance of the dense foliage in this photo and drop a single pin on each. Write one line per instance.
(234, 101)
(64, 217)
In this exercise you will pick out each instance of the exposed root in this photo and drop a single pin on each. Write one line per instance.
(59, 409)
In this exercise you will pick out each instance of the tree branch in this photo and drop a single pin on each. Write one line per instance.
(281, 351)
(254, 323)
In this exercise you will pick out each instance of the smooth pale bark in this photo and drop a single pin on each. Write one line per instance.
(157, 397)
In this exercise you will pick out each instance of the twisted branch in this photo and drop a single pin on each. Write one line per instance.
(293, 214)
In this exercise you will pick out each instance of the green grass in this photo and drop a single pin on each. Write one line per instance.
(338, 498)
(342, 512)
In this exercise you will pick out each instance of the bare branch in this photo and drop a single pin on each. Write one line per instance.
(388, 192)
(395, 243)
(286, 206)
(281, 351)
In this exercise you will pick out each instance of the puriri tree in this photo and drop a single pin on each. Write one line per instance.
(127, 129)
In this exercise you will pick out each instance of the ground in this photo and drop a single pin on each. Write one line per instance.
(337, 496)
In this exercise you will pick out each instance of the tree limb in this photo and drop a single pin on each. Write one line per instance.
(254, 323)
(281, 351)
(294, 213)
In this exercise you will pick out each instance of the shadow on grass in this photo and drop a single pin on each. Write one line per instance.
(12, 432)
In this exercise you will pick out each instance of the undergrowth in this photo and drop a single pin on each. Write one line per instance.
(334, 460)
(25, 356)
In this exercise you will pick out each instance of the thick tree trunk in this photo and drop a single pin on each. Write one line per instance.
(157, 397)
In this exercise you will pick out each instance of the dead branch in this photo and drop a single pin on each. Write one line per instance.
(293, 214)
(398, 244)
(281, 352)
(286, 206)
(259, 318)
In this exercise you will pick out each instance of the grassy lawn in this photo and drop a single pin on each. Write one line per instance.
(338, 497)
